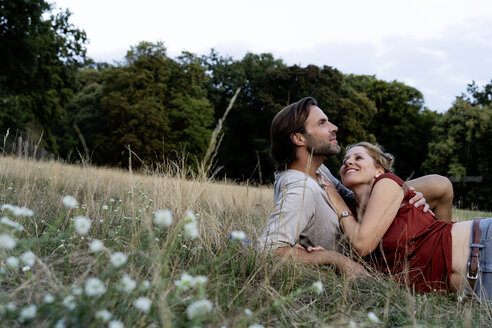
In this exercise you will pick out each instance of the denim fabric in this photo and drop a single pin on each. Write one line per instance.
(483, 286)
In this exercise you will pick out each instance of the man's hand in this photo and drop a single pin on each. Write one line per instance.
(319, 255)
(354, 270)
(438, 191)
(419, 200)
(309, 249)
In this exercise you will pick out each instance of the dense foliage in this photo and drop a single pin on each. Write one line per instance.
(159, 108)
(39, 60)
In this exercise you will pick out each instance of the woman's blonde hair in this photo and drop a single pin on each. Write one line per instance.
(380, 157)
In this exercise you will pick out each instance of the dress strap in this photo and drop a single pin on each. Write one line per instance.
(394, 178)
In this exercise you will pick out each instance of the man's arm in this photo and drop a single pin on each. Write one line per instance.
(438, 192)
(343, 264)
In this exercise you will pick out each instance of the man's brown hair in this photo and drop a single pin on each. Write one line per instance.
(291, 119)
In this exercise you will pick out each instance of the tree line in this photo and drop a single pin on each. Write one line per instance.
(164, 109)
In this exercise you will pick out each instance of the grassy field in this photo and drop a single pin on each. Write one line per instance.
(149, 272)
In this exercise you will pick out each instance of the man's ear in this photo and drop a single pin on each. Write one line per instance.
(297, 138)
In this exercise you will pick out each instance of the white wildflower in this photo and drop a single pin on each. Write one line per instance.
(189, 217)
(200, 280)
(256, 325)
(373, 317)
(69, 202)
(82, 225)
(94, 287)
(352, 324)
(26, 268)
(12, 262)
(198, 308)
(28, 258)
(27, 313)
(69, 302)
(7, 242)
(76, 290)
(48, 298)
(11, 306)
(115, 324)
(127, 284)
(8, 222)
(145, 285)
(118, 259)
(318, 287)
(60, 323)
(238, 235)
(103, 315)
(96, 246)
(186, 282)
(7, 207)
(143, 304)
(163, 218)
(105, 207)
(24, 211)
(190, 230)
(17, 211)
(248, 312)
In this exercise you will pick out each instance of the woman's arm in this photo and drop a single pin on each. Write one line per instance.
(381, 209)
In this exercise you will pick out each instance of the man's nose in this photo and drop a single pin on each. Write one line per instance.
(333, 127)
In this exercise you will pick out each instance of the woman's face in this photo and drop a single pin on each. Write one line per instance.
(358, 168)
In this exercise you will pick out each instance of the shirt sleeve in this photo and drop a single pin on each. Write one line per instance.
(347, 194)
(293, 213)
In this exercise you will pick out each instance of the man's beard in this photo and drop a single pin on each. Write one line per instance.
(320, 147)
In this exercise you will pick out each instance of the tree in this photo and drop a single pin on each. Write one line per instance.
(190, 112)
(40, 57)
(89, 124)
(401, 124)
(244, 151)
(477, 97)
(151, 103)
(460, 151)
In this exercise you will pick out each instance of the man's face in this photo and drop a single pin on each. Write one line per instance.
(320, 134)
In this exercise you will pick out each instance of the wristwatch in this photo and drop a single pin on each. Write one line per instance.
(343, 214)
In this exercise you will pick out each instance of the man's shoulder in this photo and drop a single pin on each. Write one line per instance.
(291, 179)
(323, 170)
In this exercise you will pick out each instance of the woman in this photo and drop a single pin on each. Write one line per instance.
(402, 240)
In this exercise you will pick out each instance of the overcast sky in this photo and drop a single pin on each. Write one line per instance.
(437, 46)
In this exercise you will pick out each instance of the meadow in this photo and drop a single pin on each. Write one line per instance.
(164, 248)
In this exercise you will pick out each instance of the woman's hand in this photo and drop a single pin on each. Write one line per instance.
(333, 195)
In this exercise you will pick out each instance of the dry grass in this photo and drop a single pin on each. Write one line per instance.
(239, 278)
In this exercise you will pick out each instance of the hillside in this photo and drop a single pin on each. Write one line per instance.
(146, 271)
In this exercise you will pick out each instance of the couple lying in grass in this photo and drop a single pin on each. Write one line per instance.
(400, 228)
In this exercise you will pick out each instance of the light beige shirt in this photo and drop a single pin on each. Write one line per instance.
(303, 213)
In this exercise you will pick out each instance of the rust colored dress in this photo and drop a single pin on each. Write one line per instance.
(416, 250)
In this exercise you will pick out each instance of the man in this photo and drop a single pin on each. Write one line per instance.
(305, 226)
